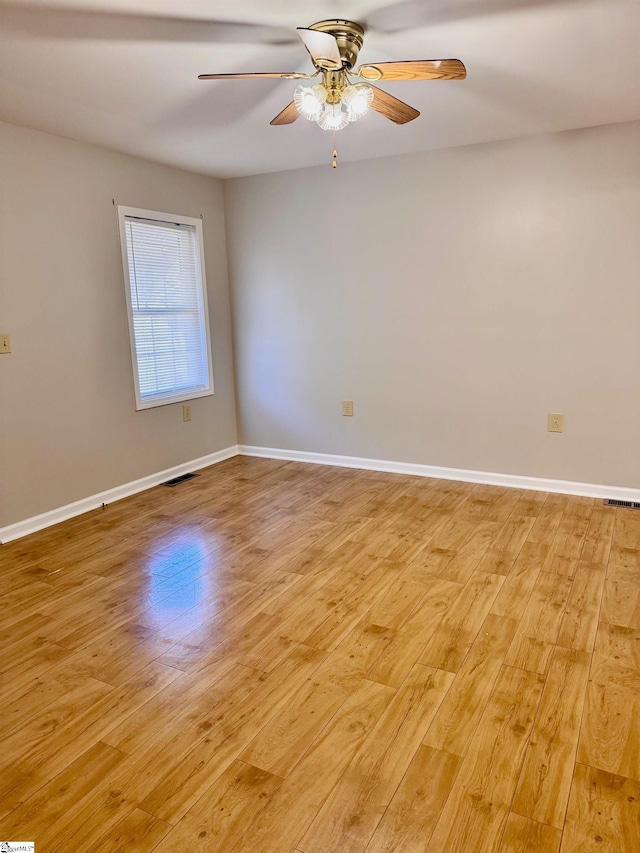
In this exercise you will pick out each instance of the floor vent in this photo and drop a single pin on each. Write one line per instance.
(626, 504)
(181, 479)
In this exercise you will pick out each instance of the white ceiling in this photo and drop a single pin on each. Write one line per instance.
(123, 74)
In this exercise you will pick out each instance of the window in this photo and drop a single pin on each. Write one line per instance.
(163, 261)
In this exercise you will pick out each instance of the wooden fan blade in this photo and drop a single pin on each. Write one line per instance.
(392, 108)
(322, 47)
(287, 75)
(288, 115)
(420, 69)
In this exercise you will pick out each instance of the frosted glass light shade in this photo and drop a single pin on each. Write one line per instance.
(309, 101)
(333, 117)
(357, 100)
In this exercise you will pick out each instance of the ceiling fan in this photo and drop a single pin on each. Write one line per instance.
(334, 46)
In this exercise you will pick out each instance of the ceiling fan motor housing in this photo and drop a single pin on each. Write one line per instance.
(347, 34)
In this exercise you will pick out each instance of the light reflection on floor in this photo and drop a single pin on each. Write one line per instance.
(188, 598)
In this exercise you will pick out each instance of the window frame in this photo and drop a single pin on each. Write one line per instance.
(123, 212)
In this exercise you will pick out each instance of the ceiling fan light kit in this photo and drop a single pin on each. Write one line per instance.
(333, 117)
(333, 108)
(310, 100)
(357, 99)
(334, 46)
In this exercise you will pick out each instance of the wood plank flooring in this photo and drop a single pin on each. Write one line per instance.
(286, 658)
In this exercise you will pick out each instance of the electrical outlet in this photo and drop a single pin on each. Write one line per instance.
(186, 413)
(347, 408)
(556, 423)
(5, 343)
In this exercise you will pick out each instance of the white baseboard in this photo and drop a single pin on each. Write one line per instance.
(512, 481)
(54, 516)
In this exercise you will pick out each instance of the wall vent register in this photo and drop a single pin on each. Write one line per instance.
(175, 481)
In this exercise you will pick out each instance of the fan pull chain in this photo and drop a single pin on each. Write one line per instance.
(334, 162)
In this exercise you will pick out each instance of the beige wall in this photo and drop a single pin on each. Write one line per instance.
(68, 424)
(457, 297)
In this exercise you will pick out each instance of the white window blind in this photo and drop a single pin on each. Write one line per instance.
(167, 308)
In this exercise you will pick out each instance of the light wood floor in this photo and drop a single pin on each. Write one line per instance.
(278, 657)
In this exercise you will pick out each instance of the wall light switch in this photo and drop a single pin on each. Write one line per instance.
(556, 423)
(186, 413)
(5, 343)
(347, 408)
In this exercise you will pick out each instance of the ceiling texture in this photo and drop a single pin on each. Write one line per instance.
(123, 74)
